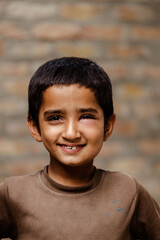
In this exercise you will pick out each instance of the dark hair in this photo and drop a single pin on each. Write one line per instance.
(67, 71)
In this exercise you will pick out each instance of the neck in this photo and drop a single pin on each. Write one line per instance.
(70, 176)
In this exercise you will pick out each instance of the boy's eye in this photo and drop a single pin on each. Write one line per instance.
(54, 118)
(87, 116)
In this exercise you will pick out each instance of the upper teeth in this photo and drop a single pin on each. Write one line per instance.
(71, 147)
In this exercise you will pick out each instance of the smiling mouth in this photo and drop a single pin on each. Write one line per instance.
(71, 148)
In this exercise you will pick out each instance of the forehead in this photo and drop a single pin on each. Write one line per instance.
(69, 96)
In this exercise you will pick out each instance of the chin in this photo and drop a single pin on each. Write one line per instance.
(73, 164)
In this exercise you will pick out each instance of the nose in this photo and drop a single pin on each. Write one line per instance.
(71, 131)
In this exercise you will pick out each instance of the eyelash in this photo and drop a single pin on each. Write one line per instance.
(54, 118)
(86, 116)
(58, 118)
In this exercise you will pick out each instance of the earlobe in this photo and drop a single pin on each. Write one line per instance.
(33, 130)
(109, 127)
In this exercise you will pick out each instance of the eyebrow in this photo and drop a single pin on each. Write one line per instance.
(56, 111)
(91, 110)
(81, 110)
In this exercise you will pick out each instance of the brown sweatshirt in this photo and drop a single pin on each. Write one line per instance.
(112, 206)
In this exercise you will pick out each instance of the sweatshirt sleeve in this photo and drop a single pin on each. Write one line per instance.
(146, 220)
(7, 224)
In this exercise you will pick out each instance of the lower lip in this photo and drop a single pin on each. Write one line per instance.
(70, 150)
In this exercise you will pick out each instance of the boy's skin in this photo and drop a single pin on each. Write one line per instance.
(71, 112)
(71, 127)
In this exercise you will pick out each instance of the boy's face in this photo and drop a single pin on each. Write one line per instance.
(71, 125)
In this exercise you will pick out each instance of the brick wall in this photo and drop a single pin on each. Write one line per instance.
(123, 37)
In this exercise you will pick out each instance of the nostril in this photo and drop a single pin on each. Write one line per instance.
(71, 132)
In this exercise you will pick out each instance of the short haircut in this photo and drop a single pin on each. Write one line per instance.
(67, 71)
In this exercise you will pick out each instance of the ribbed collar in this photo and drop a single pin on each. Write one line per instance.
(57, 187)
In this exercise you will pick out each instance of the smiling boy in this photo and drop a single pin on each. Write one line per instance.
(71, 126)
(71, 112)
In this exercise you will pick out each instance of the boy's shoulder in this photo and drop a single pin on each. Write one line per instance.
(128, 187)
(119, 180)
(21, 179)
(15, 184)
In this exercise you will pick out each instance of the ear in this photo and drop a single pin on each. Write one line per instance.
(34, 130)
(109, 127)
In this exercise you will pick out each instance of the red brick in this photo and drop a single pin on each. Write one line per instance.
(115, 71)
(11, 147)
(37, 149)
(0, 126)
(80, 50)
(13, 69)
(10, 107)
(1, 48)
(149, 146)
(126, 128)
(49, 31)
(122, 108)
(157, 167)
(11, 31)
(103, 32)
(142, 111)
(145, 71)
(127, 52)
(22, 167)
(2, 6)
(16, 87)
(152, 72)
(111, 149)
(30, 10)
(16, 128)
(148, 110)
(132, 91)
(20, 148)
(145, 32)
(24, 50)
(135, 13)
(80, 11)
(133, 165)
(35, 65)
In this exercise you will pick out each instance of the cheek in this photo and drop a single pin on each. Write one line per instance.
(95, 135)
(49, 135)
(95, 141)
(95, 127)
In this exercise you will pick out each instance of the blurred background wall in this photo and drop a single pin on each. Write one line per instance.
(124, 38)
